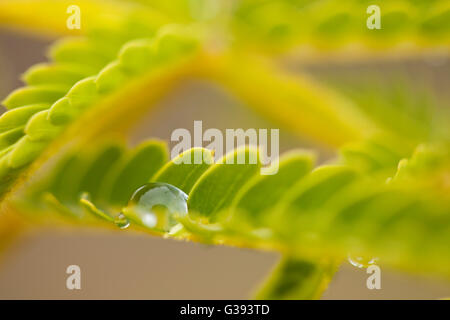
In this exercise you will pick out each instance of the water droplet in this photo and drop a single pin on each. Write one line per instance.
(121, 221)
(156, 205)
(361, 262)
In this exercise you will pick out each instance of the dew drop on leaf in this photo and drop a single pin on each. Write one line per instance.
(361, 262)
(121, 221)
(156, 206)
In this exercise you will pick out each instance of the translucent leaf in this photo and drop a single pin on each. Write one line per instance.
(185, 169)
(19, 116)
(134, 171)
(296, 279)
(218, 186)
(34, 95)
(263, 192)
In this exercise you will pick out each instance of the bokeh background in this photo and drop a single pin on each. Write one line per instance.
(120, 265)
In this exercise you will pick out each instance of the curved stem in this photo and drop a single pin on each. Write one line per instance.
(48, 17)
(295, 101)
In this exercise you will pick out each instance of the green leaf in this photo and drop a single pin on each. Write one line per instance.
(67, 176)
(40, 128)
(319, 186)
(93, 210)
(25, 150)
(372, 155)
(34, 95)
(111, 77)
(62, 112)
(297, 279)
(80, 52)
(134, 171)
(183, 171)
(83, 93)
(263, 192)
(277, 26)
(52, 203)
(217, 187)
(102, 161)
(9, 137)
(138, 55)
(19, 116)
(302, 204)
(46, 73)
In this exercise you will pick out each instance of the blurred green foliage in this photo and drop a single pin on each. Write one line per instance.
(386, 195)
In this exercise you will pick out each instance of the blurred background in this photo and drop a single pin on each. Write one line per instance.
(121, 265)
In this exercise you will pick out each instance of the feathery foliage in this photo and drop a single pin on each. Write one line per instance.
(386, 195)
